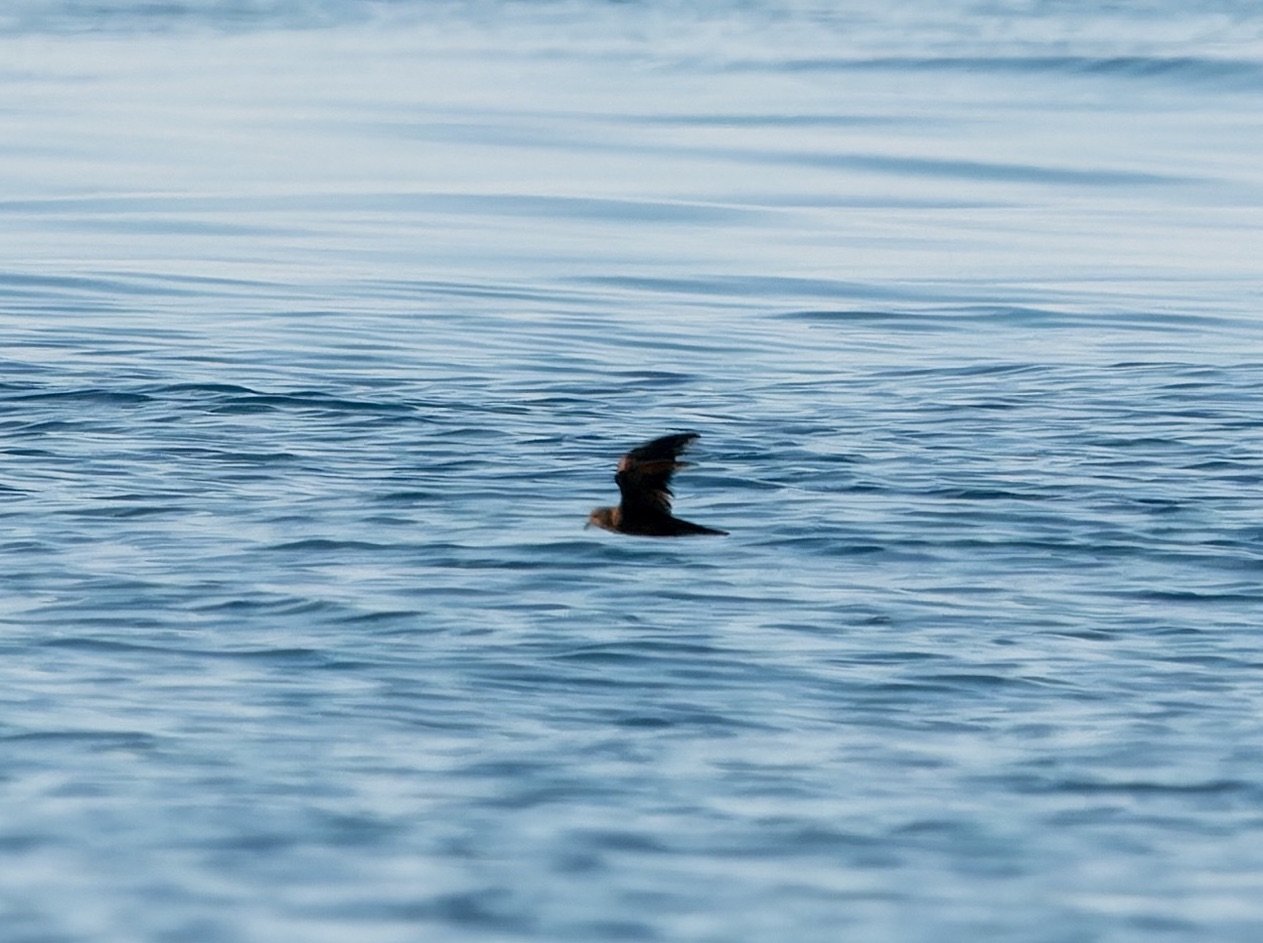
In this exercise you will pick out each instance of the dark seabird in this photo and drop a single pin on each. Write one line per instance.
(644, 479)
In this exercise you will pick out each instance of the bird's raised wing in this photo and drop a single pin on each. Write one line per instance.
(644, 474)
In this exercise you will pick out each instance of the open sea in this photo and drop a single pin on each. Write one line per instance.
(324, 323)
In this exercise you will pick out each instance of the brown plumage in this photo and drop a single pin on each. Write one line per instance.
(644, 480)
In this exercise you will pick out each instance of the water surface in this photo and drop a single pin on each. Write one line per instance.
(323, 324)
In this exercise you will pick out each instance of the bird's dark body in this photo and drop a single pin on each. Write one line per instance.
(644, 481)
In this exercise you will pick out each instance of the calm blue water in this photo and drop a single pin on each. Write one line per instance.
(323, 324)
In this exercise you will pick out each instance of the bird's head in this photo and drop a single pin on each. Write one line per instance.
(601, 517)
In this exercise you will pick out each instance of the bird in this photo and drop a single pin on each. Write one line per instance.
(644, 480)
